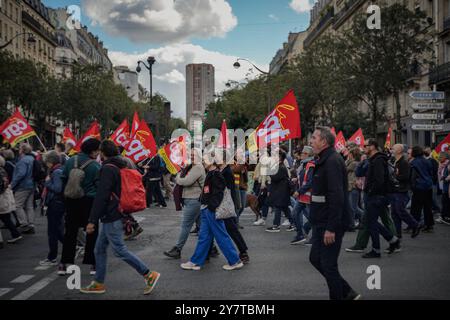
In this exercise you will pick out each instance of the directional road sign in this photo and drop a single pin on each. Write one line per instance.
(428, 106)
(427, 127)
(427, 116)
(427, 95)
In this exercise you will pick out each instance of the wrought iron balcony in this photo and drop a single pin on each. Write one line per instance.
(320, 26)
(38, 28)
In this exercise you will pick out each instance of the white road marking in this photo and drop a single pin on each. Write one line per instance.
(35, 288)
(40, 268)
(4, 291)
(139, 219)
(22, 279)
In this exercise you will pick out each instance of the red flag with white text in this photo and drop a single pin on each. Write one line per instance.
(142, 146)
(387, 144)
(135, 124)
(68, 137)
(16, 129)
(444, 146)
(282, 124)
(358, 138)
(340, 142)
(121, 136)
(174, 155)
(92, 133)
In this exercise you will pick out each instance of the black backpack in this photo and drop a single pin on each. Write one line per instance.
(392, 182)
(39, 171)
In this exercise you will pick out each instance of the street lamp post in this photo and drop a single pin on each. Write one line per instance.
(151, 61)
(237, 65)
(30, 39)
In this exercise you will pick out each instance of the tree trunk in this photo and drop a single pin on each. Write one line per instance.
(374, 107)
(398, 132)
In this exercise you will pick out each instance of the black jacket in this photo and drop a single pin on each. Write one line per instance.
(329, 204)
(402, 172)
(213, 190)
(105, 205)
(279, 189)
(154, 170)
(377, 175)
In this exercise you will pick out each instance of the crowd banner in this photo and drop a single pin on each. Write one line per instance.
(444, 146)
(339, 144)
(135, 124)
(92, 133)
(282, 124)
(121, 136)
(387, 144)
(358, 138)
(68, 137)
(174, 155)
(142, 145)
(16, 129)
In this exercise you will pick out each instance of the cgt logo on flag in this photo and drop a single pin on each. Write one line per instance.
(16, 129)
(282, 124)
(142, 145)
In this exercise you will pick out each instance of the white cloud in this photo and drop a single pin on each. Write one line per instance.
(301, 6)
(273, 17)
(162, 21)
(170, 69)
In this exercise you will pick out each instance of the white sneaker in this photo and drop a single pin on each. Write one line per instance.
(47, 262)
(439, 220)
(190, 266)
(260, 222)
(286, 223)
(236, 266)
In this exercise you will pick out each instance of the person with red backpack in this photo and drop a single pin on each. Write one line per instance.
(119, 190)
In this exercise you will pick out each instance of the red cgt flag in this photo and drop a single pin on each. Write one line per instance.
(92, 133)
(444, 146)
(174, 155)
(16, 129)
(339, 145)
(224, 139)
(387, 144)
(358, 138)
(68, 136)
(135, 124)
(120, 137)
(142, 145)
(282, 124)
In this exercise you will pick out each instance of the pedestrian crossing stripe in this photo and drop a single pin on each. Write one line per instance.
(22, 278)
(4, 291)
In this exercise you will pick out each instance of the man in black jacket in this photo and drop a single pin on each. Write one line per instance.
(106, 209)
(399, 197)
(153, 178)
(329, 217)
(377, 201)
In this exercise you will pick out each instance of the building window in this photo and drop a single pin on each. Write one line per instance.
(10, 11)
(1, 27)
(17, 15)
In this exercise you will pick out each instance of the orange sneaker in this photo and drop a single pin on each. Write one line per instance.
(94, 288)
(150, 281)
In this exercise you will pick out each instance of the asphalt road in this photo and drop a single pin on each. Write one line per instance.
(277, 270)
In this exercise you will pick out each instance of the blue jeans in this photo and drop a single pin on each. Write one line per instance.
(112, 233)
(399, 213)
(191, 210)
(55, 227)
(355, 195)
(211, 228)
(299, 210)
(374, 206)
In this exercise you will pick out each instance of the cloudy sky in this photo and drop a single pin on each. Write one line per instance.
(179, 32)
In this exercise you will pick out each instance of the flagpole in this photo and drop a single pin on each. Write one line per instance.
(37, 137)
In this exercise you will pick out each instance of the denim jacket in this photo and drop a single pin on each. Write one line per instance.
(23, 174)
(54, 185)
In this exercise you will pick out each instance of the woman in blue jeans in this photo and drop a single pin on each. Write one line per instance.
(210, 228)
(191, 179)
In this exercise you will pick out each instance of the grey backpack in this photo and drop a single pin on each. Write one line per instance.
(73, 188)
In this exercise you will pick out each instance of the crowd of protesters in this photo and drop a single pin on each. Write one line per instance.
(321, 193)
